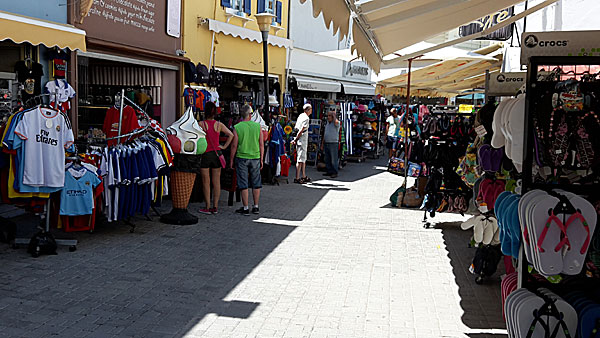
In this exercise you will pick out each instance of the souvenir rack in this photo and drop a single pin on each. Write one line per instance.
(533, 78)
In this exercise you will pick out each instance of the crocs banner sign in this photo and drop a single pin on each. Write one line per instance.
(506, 84)
(575, 43)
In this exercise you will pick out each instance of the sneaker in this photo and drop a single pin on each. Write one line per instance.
(214, 211)
(255, 210)
(327, 174)
(333, 176)
(243, 212)
(205, 211)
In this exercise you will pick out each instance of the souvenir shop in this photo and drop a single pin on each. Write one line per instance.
(528, 175)
(101, 77)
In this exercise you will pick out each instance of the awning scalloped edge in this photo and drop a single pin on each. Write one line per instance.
(337, 14)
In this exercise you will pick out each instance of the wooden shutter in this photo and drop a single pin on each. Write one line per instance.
(278, 11)
(248, 7)
(260, 6)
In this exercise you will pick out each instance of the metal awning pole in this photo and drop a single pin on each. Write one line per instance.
(405, 120)
(121, 114)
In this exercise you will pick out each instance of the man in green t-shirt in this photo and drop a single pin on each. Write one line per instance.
(248, 151)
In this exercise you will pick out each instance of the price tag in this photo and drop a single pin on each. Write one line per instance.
(480, 130)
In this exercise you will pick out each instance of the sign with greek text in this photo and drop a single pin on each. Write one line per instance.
(136, 23)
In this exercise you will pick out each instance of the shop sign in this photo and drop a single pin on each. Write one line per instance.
(488, 22)
(355, 70)
(174, 18)
(574, 43)
(136, 23)
(465, 108)
(506, 84)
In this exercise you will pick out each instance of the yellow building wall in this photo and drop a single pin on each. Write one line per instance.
(230, 52)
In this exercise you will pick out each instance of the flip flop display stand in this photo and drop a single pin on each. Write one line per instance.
(550, 228)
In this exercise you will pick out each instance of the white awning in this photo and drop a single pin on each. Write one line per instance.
(245, 33)
(382, 27)
(358, 89)
(244, 72)
(318, 85)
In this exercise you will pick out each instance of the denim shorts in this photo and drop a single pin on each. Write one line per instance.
(245, 167)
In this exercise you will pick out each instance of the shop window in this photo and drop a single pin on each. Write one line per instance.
(238, 7)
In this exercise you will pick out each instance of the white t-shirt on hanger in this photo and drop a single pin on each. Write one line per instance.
(47, 133)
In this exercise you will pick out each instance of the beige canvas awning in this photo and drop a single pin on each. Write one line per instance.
(381, 27)
(441, 73)
(19, 29)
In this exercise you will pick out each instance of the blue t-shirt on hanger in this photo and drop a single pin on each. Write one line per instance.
(77, 197)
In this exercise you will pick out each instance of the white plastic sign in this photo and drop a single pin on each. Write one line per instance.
(506, 84)
(574, 43)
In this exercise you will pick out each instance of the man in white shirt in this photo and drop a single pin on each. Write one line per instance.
(392, 124)
(302, 124)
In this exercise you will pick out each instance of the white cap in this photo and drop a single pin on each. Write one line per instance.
(307, 106)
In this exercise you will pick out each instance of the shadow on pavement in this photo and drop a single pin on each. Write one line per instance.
(481, 303)
(159, 281)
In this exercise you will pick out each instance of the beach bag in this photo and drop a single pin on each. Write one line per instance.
(397, 196)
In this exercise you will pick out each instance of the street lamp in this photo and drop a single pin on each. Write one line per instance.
(264, 21)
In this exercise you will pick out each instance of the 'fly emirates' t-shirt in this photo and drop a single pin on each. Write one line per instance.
(47, 133)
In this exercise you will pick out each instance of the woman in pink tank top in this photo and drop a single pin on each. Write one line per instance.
(211, 164)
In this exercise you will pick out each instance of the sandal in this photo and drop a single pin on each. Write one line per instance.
(299, 181)
(306, 179)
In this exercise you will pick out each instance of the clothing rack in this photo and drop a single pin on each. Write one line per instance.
(45, 216)
(122, 99)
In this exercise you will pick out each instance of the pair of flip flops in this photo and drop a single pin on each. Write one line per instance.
(485, 229)
(506, 209)
(539, 315)
(557, 229)
(588, 312)
(508, 285)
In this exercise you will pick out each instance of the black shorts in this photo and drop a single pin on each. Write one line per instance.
(391, 142)
(210, 160)
(187, 163)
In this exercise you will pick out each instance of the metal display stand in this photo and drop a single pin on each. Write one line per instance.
(529, 142)
(45, 216)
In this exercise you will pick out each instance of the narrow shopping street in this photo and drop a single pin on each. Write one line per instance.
(331, 259)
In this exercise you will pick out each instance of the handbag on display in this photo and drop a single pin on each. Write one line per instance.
(191, 139)
(219, 153)
(397, 165)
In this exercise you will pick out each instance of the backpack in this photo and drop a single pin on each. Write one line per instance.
(202, 72)
(486, 260)
(190, 75)
(215, 78)
(42, 243)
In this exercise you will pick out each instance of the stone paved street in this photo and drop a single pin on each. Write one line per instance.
(332, 259)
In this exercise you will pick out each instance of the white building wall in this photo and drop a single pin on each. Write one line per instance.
(310, 36)
(564, 15)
